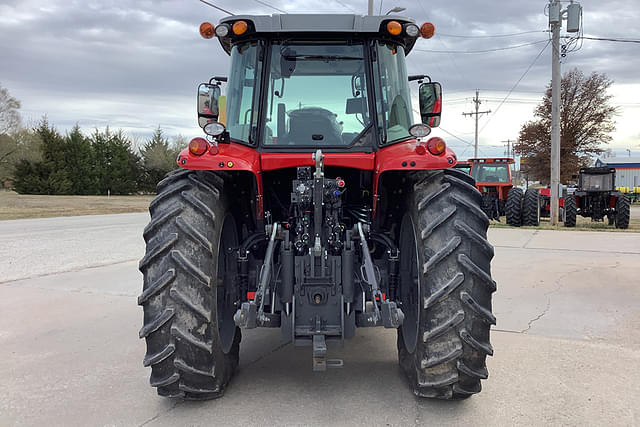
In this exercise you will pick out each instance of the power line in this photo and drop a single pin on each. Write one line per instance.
(516, 84)
(217, 7)
(492, 35)
(345, 6)
(483, 50)
(477, 113)
(456, 137)
(610, 39)
(271, 6)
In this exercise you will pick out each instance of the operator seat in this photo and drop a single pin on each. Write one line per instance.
(313, 126)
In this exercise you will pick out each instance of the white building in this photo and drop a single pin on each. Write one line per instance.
(627, 170)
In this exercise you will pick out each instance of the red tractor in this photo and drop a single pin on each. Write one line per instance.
(493, 180)
(316, 206)
(464, 166)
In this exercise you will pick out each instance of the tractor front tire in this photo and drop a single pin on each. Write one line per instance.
(570, 211)
(531, 208)
(445, 287)
(623, 212)
(192, 342)
(513, 210)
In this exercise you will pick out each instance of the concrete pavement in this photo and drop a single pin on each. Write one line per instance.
(567, 346)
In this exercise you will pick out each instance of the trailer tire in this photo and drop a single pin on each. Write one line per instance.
(187, 295)
(513, 210)
(531, 208)
(623, 212)
(445, 287)
(570, 211)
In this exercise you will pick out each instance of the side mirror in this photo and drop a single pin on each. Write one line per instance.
(430, 96)
(208, 96)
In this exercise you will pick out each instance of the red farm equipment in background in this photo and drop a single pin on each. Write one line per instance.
(493, 180)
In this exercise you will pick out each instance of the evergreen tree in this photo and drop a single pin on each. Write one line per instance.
(117, 167)
(78, 162)
(158, 158)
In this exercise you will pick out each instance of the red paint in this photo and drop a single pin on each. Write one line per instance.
(401, 156)
(251, 296)
(273, 161)
(242, 158)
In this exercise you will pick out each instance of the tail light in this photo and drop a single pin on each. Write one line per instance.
(206, 30)
(427, 30)
(436, 145)
(198, 146)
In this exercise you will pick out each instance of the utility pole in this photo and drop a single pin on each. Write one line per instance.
(555, 20)
(477, 113)
(370, 9)
(509, 151)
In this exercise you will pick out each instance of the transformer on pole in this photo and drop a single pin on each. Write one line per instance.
(556, 14)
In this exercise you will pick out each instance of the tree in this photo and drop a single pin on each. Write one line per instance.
(158, 158)
(9, 114)
(586, 121)
(78, 162)
(116, 166)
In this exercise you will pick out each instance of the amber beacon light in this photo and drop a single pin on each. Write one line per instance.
(239, 27)
(394, 28)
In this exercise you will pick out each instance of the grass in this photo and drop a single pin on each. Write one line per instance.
(582, 224)
(19, 206)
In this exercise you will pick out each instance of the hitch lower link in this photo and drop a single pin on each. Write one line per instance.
(390, 315)
(251, 314)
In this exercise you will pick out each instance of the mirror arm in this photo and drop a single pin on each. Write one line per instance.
(419, 77)
(224, 138)
(218, 79)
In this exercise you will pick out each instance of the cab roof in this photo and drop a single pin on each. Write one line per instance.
(317, 25)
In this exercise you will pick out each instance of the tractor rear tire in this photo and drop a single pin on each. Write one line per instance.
(513, 210)
(192, 342)
(445, 287)
(623, 212)
(531, 208)
(570, 211)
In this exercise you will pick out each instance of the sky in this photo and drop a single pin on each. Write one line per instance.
(136, 65)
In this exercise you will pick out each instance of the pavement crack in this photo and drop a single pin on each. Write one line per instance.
(278, 348)
(538, 317)
(559, 284)
(535, 233)
(155, 417)
(70, 270)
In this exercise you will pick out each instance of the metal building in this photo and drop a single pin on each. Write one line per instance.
(627, 170)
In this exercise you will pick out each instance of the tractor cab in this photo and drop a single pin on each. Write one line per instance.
(308, 82)
(493, 180)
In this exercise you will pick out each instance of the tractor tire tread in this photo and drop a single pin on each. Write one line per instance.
(180, 320)
(623, 212)
(455, 288)
(570, 210)
(513, 208)
(531, 208)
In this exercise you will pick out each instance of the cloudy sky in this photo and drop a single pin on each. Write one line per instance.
(135, 65)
